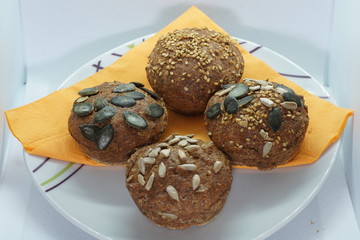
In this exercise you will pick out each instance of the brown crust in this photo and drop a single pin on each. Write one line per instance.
(195, 207)
(126, 138)
(187, 66)
(239, 136)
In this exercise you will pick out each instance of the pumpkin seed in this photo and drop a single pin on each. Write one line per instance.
(81, 99)
(213, 111)
(135, 95)
(127, 87)
(151, 93)
(245, 100)
(292, 97)
(83, 109)
(104, 114)
(106, 135)
(90, 131)
(289, 105)
(239, 91)
(231, 105)
(100, 102)
(275, 118)
(135, 120)
(138, 84)
(123, 101)
(225, 86)
(154, 110)
(88, 91)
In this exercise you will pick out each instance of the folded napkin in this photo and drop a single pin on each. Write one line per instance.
(41, 126)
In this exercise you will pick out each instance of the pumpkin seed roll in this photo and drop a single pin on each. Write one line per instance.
(188, 65)
(257, 123)
(111, 120)
(179, 182)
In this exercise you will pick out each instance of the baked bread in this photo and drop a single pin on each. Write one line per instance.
(111, 120)
(179, 182)
(187, 66)
(257, 123)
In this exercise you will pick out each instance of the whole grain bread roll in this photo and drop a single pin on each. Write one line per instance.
(179, 182)
(188, 65)
(111, 120)
(257, 123)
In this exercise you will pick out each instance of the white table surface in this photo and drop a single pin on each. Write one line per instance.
(60, 36)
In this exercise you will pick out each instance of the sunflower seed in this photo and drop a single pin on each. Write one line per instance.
(90, 131)
(264, 134)
(127, 87)
(267, 102)
(162, 145)
(88, 91)
(128, 179)
(239, 91)
(191, 140)
(104, 114)
(195, 181)
(254, 88)
(151, 93)
(83, 109)
(261, 82)
(183, 143)
(174, 140)
(100, 102)
(275, 119)
(192, 148)
(181, 154)
(150, 182)
(188, 167)
(225, 91)
(138, 84)
(154, 110)
(280, 88)
(292, 97)
(149, 160)
(154, 152)
(266, 149)
(231, 105)
(81, 99)
(217, 166)
(141, 180)
(207, 145)
(213, 111)
(289, 105)
(135, 95)
(266, 87)
(123, 101)
(169, 138)
(245, 100)
(162, 170)
(141, 165)
(168, 215)
(105, 137)
(202, 188)
(135, 120)
(172, 192)
(165, 152)
(190, 135)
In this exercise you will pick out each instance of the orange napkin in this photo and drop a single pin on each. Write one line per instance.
(41, 126)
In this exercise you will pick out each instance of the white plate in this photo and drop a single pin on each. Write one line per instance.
(96, 200)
